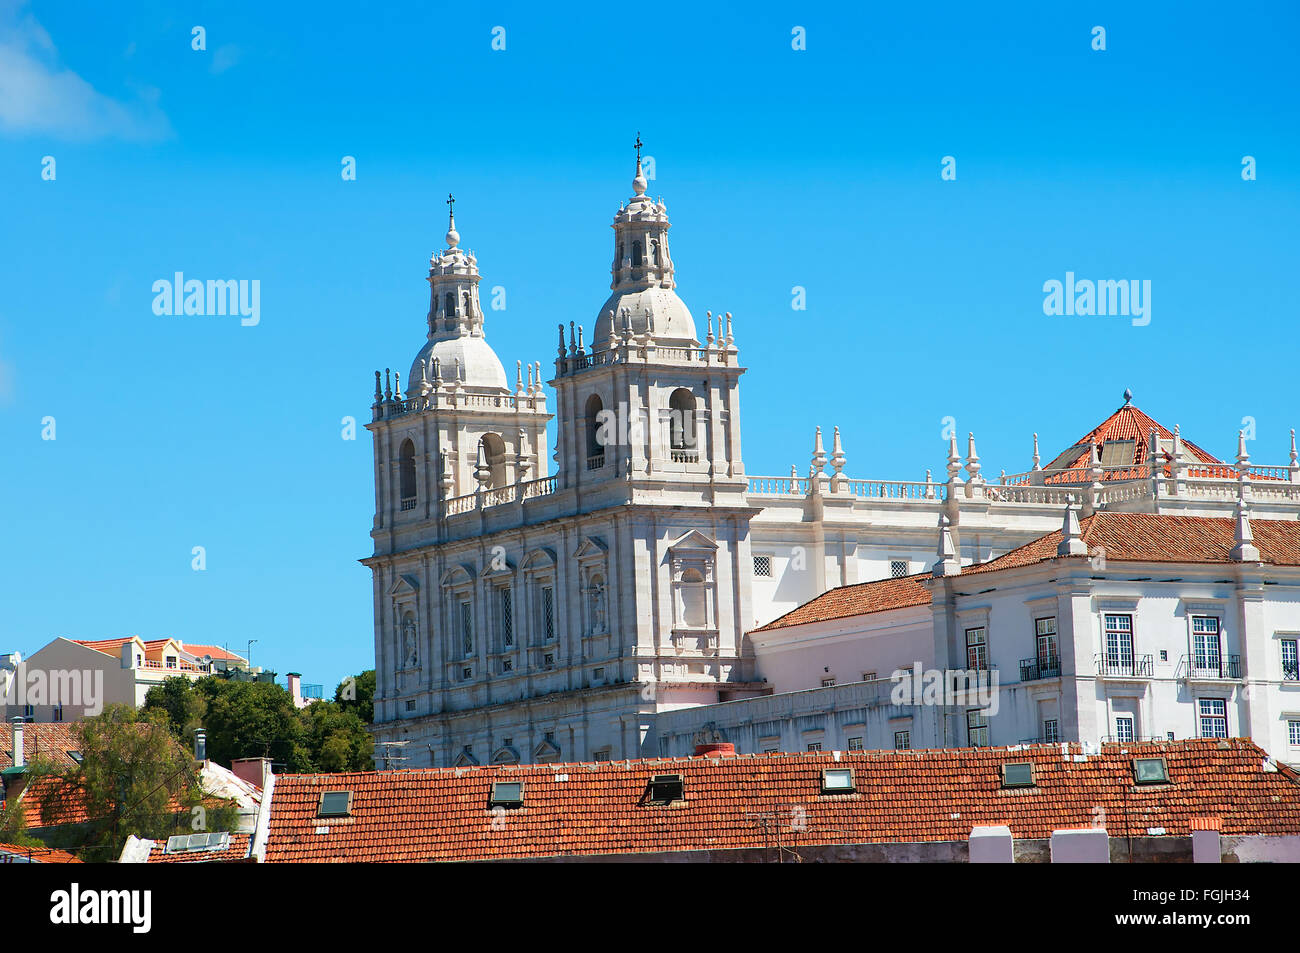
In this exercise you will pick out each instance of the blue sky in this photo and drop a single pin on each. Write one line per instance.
(817, 168)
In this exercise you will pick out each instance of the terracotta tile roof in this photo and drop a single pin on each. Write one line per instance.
(52, 801)
(217, 652)
(13, 853)
(1161, 538)
(236, 849)
(1128, 423)
(107, 646)
(858, 599)
(899, 796)
(53, 740)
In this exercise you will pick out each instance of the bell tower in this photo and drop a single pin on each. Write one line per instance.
(648, 403)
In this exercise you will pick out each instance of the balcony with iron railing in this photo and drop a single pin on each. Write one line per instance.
(1043, 666)
(1209, 667)
(596, 461)
(1122, 666)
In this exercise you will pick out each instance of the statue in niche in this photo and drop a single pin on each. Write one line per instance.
(598, 604)
(409, 651)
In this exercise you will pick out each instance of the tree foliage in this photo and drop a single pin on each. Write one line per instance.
(259, 720)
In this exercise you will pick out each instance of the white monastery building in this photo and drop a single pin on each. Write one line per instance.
(651, 592)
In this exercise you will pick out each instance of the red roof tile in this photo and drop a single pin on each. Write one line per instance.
(52, 740)
(1127, 423)
(739, 802)
(13, 853)
(236, 849)
(845, 601)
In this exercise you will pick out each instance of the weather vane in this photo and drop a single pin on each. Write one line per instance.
(638, 146)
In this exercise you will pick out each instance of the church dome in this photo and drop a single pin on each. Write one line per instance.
(479, 364)
(668, 317)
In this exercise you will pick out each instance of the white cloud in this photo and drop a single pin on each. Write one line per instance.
(39, 95)
(225, 57)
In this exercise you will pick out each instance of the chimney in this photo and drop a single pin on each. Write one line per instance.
(252, 770)
(294, 680)
(19, 759)
(717, 749)
(128, 654)
(200, 745)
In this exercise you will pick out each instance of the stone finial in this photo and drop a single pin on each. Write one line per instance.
(482, 472)
(379, 395)
(929, 486)
(947, 564)
(972, 460)
(730, 337)
(424, 377)
(519, 378)
(794, 475)
(522, 463)
(561, 340)
(1072, 543)
(819, 453)
(954, 463)
(1037, 459)
(530, 380)
(447, 482)
(397, 384)
(1294, 466)
(1243, 458)
(573, 343)
(1244, 549)
(388, 388)
(708, 327)
(437, 372)
(837, 460)
(538, 365)
(1128, 397)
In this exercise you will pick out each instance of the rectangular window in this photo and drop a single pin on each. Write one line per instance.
(977, 653)
(548, 660)
(1290, 661)
(1293, 733)
(602, 755)
(1205, 645)
(548, 613)
(899, 567)
(977, 729)
(506, 601)
(1119, 644)
(855, 744)
(1214, 718)
(868, 676)
(762, 564)
(814, 746)
(902, 740)
(1051, 731)
(1045, 632)
(467, 627)
(828, 682)
(1123, 728)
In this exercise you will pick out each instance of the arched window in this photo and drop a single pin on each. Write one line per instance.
(681, 422)
(466, 301)
(449, 304)
(406, 475)
(595, 445)
(494, 451)
(636, 254)
(654, 253)
(694, 613)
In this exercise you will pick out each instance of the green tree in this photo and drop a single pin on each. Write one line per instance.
(184, 703)
(134, 778)
(337, 738)
(358, 693)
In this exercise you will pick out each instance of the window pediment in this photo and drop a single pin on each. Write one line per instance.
(591, 548)
(458, 576)
(539, 560)
(404, 585)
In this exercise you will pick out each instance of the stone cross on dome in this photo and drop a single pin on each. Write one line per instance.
(639, 182)
(453, 237)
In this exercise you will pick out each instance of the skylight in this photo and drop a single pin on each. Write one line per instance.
(335, 804)
(666, 788)
(507, 794)
(1150, 771)
(1019, 774)
(837, 781)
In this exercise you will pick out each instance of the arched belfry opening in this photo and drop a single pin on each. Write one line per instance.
(406, 475)
(592, 423)
(682, 436)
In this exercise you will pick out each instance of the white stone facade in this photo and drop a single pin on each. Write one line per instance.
(521, 615)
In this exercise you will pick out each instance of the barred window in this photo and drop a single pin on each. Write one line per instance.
(1051, 731)
(507, 619)
(548, 613)
(899, 567)
(762, 564)
(467, 626)
(1290, 661)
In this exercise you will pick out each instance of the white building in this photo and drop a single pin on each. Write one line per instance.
(1119, 627)
(524, 616)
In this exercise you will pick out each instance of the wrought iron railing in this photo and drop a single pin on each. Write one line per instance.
(1140, 666)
